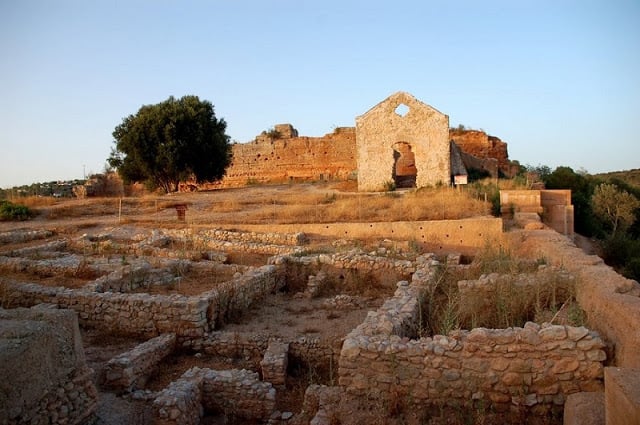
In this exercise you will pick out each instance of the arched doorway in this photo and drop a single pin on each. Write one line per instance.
(404, 165)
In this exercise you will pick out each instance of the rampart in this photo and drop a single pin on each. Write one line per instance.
(483, 146)
(285, 157)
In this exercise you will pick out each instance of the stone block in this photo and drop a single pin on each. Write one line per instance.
(622, 396)
(584, 409)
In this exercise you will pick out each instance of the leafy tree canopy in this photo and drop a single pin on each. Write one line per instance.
(171, 141)
(614, 206)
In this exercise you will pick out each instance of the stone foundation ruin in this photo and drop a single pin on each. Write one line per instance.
(125, 282)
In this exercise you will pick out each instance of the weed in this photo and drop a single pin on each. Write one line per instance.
(575, 314)
(389, 186)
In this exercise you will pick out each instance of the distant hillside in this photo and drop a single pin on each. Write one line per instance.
(631, 177)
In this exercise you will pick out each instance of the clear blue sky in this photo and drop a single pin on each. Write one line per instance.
(558, 80)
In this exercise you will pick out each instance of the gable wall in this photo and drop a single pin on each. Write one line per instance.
(424, 128)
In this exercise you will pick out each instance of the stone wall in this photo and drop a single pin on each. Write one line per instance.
(422, 127)
(535, 367)
(288, 158)
(16, 236)
(553, 205)
(252, 242)
(252, 347)
(150, 315)
(434, 236)
(130, 370)
(45, 378)
(238, 393)
(610, 300)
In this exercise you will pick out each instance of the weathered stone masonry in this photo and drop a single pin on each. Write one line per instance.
(535, 366)
(43, 369)
(422, 127)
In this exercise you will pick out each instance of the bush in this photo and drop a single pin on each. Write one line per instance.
(632, 270)
(10, 211)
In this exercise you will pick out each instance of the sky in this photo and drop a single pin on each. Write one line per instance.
(559, 81)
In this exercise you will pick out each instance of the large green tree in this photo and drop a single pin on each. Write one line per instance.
(171, 141)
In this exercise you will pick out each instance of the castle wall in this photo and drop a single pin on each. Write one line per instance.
(287, 157)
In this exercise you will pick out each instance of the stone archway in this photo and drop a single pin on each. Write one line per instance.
(404, 165)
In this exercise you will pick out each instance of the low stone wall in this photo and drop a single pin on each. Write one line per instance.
(58, 245)
(179, 403)
(354, 259)
(135, 314)
(130, 370)
(535, 367)
(150, 315)
(610, 300)
(17, 236)
(233, 392)
(252, 347)
(66, 265)
(437, 236)
(45, 378)
(236, 296)
(205, 236)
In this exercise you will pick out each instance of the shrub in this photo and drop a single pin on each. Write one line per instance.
(10, 211)
(390, 186)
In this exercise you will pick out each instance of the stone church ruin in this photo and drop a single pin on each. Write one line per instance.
(401, 141)
(404, 141)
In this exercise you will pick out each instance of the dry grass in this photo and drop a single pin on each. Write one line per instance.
(35, 201)
(284, 204)
(507, 304)
(306, 207)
